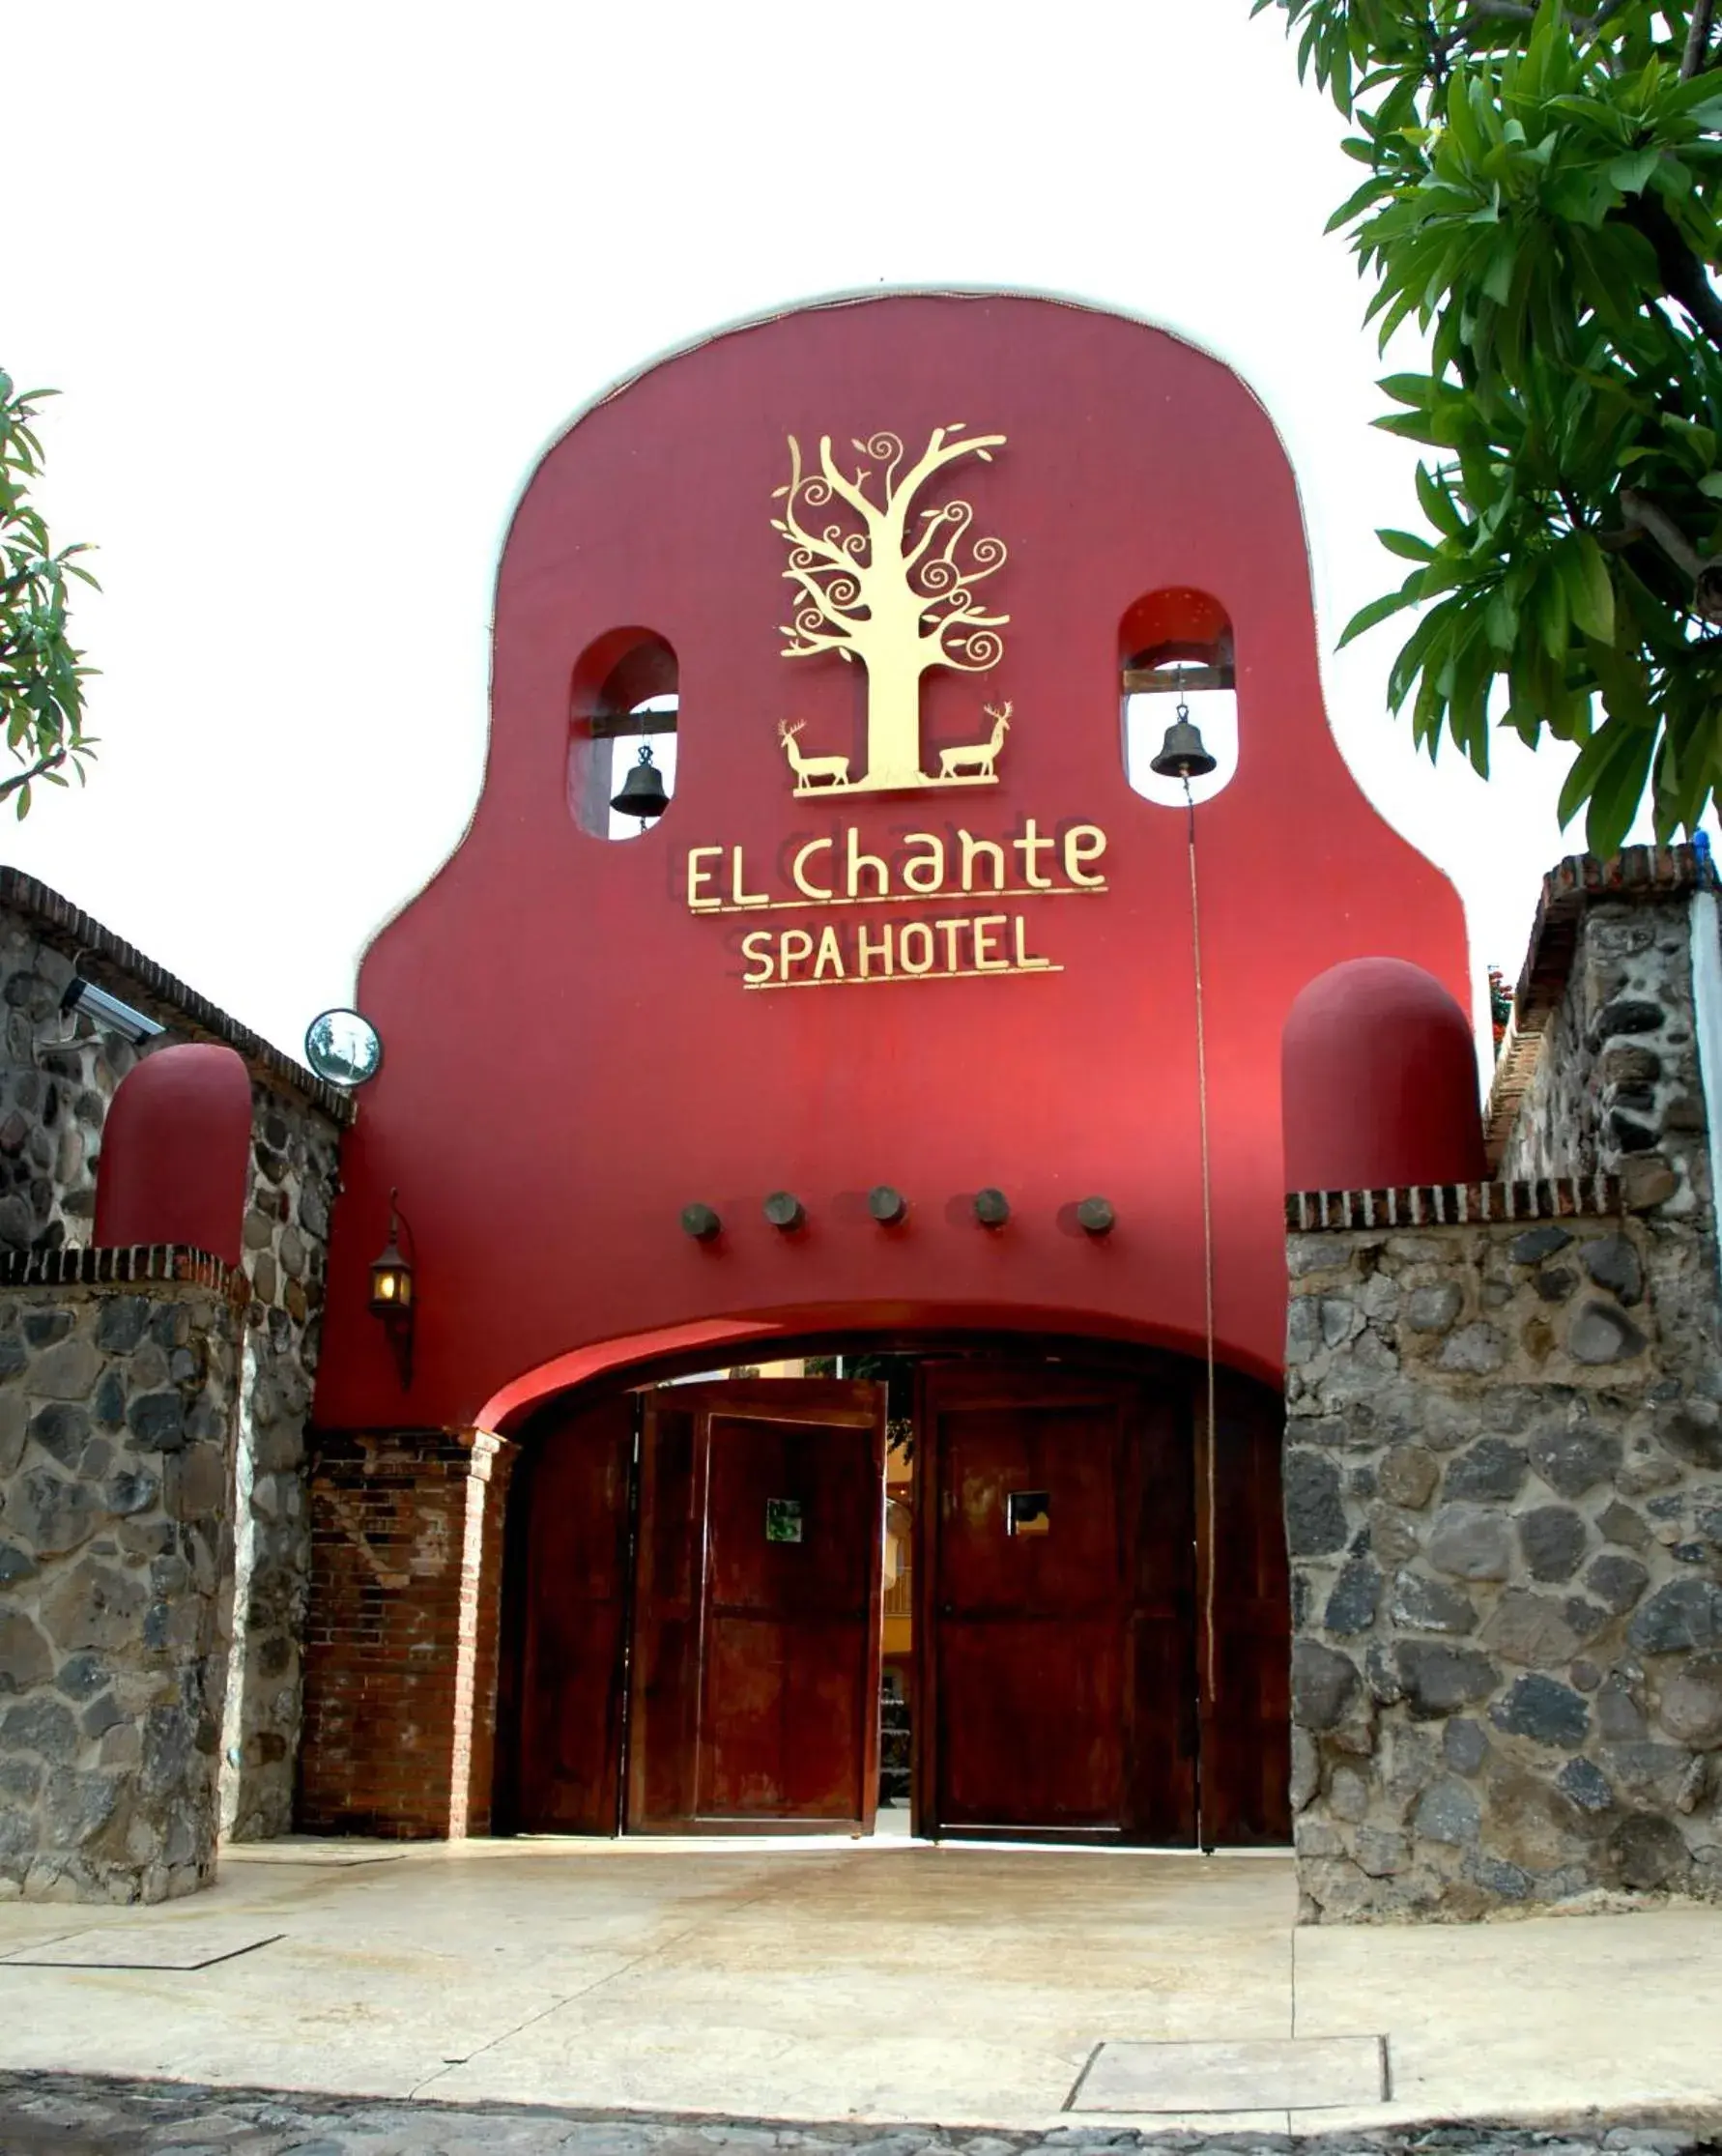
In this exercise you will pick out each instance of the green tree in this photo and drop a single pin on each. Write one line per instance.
(1542, 199)
(41, 676)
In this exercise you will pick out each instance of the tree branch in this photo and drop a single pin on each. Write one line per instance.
(934, 520)
(1515, 11)
(49, 763)
(937, 453)
(810, 642)
(868, 511)
(1698, 37)
(1641, 512)
(1683, 274)
(832, 608)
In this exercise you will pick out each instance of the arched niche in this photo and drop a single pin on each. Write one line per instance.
(624, 694)
(1379, 1081)
(1175, 646)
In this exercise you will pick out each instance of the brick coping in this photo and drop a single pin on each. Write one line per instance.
(134, 1265)
(1642, 873)
(1561, 1197)
(123, 969)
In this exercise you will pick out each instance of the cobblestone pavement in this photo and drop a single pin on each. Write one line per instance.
(59, 2114)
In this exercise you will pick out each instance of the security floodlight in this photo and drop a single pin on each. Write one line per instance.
(96, 1004)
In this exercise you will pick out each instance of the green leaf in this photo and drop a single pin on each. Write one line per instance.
(1407, 545)
(1619, 789)
(1378, 610)
(1631, 173)
(1437, 505)
(1589, 594)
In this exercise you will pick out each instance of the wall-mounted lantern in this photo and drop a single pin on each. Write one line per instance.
(392, 1290)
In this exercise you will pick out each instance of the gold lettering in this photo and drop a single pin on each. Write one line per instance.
(925, 872)
(1083, 843)
(869, 862)
(696, 876)
(1028, 845)
(830, 953)
(738, 895)
(757, 950)
(798, 868)
(972, 850)
(1024, 964)
(925, 946)
(952, 931)
(867, 950)
(793, 946)
(984, 925)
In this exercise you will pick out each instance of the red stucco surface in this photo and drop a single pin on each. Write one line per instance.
(175, 1151)
(571, 1056)
(1380, 1082)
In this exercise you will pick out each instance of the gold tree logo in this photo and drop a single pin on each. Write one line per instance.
(892, 584)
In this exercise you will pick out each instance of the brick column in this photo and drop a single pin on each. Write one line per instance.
(401, 1647)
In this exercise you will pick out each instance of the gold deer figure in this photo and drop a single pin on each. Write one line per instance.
(832, 771)
(977, 760)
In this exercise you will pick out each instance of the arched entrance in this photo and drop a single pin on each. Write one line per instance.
(1084, 1610)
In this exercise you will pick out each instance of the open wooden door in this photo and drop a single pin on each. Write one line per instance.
(1058, 1656)
(574, 1488)
(755, 1682)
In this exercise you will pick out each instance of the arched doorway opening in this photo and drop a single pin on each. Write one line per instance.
(1075, 1611)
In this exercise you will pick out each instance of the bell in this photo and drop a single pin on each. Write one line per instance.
(643, 790)
(1182, 753)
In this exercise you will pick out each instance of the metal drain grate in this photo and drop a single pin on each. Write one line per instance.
(1270, 2074)
(196, 1944)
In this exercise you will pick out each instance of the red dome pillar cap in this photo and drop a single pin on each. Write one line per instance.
(176, 1152)
(1379, 1081)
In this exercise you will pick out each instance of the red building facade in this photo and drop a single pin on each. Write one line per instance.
(906, 925)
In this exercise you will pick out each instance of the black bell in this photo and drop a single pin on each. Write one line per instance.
(643, 790)
(1182, 753)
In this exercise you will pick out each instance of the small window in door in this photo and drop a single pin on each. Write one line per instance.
(783, 1519)
(1028, 1511)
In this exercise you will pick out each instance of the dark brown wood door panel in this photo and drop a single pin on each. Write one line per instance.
(756, 1697)
(1058, 1653)
(576, 1589)
(664, 1663)
(789, 1625)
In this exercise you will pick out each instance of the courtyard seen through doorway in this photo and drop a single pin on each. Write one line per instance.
(953, 1590)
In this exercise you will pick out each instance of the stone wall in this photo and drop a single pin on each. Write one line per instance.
(119, 1407)
(58, 1074)
(1603, 1075)
(401, 1660)
(1503, 1505)
(295, 1174)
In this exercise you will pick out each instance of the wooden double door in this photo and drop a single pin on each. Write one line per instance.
(700, 1635)
(698, 1593)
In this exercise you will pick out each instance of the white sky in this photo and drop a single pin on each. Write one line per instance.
(320, 282)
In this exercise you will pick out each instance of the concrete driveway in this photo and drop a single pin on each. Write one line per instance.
(831, 1981)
